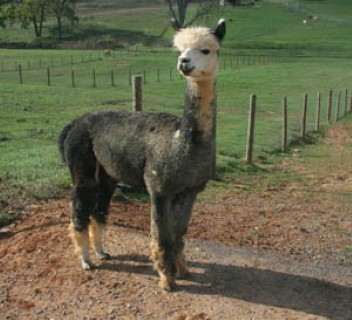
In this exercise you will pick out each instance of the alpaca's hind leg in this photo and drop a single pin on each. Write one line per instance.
(99, 215)
(163, 241)
(182, 207)
(83, 202)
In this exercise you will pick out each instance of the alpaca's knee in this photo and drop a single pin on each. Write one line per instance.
(79, 218)
(100, 216)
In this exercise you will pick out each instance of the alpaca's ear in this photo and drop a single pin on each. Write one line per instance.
(220, 30)
(175, 24)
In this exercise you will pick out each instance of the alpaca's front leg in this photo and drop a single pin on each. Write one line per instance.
(182, 206)
(163, 241)
(160, 264)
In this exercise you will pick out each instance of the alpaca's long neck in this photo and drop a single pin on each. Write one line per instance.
(200, 109)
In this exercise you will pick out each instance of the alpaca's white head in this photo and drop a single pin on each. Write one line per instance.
(199, 50)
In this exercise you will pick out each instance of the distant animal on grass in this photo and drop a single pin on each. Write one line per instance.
(107, 52)
(172, 157)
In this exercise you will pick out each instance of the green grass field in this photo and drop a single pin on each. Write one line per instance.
(286, 58)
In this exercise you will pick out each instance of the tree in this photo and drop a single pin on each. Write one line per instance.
(7, 12)
(178, 11)
(33, 11)
(63, 8)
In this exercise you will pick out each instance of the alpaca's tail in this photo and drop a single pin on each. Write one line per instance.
(63, 135)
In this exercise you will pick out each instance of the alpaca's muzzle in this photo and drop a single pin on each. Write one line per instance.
(185, 69)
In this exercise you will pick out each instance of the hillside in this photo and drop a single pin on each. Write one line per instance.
(269, 24)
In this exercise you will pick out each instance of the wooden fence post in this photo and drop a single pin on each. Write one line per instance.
(317, 118)
(329, 107)
(137, 93)
(250, 129)
(338, 107)
(304, 116)
(346, 98)
(94, 79)
(48, 74)
(112, 76)
(20, 72)
(284, 126)
(73, 79)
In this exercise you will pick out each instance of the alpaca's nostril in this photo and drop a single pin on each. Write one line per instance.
(185, 60)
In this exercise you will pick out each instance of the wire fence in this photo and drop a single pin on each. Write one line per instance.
(111, 71)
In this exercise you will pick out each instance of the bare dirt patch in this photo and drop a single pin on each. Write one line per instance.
(284, 252)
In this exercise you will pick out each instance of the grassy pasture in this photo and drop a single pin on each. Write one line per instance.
(315, 58)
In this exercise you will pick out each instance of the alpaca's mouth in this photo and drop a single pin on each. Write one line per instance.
(186, 71)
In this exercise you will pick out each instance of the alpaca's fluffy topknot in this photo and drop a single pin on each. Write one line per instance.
(196, 37)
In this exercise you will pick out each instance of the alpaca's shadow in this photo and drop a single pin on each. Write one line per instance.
(272, 288)
(284, 290)
(128, 263)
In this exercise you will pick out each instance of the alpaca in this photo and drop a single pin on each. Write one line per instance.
(169, 156)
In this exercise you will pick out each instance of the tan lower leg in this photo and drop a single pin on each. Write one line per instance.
(81, 241)
(96, 236)
(167, 281)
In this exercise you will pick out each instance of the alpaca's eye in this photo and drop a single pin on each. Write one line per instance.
(205, 51)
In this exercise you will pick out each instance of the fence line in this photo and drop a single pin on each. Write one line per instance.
(156, 74)
(56, 62)
(303, 122)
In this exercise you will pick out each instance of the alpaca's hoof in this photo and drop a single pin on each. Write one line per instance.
(168, 287)
(167, 284)
(87, 265)
(103, 256)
